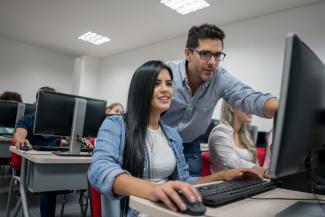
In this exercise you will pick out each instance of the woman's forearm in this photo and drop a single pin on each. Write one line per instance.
(126, 185)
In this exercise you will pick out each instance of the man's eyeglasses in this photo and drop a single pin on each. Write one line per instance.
(206, 55)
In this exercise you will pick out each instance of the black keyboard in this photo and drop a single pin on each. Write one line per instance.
(217, 194)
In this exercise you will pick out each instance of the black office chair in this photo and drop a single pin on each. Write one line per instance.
(205, 137)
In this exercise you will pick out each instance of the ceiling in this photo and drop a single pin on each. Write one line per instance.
(56, 24)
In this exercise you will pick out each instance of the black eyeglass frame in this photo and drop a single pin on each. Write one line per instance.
(218, 56)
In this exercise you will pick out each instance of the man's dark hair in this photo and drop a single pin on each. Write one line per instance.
(11, 96)
(44, 88)
(204, 31)
(137, 117)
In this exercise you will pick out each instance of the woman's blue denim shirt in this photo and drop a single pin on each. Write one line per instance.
(107, 157)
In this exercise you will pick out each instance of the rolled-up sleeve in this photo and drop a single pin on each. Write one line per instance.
(107, 157)
(240, 95)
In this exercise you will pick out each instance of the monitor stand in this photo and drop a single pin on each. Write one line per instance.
(76, 130)
(303, 209)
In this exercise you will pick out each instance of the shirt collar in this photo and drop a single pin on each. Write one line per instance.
(183, 71)
(184, 77)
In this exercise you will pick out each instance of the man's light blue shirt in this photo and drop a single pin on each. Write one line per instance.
(191, 115)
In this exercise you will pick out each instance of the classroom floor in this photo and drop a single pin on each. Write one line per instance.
(71, 209)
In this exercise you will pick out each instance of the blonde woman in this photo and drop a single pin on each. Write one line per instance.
(230, 143)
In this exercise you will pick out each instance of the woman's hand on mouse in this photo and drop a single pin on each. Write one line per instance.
(168, 194)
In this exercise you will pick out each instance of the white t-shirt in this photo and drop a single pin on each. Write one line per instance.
(161, 156)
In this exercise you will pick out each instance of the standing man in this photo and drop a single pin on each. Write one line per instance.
(199, 82)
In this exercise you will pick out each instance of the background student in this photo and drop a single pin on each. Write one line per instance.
(137, 154)
(114, 109)
(230, 142)
(24, 136)
(199, 82)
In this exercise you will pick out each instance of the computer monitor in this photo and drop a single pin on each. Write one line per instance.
(299, 130)
(29, 108)
(10, 113)
(63, 114)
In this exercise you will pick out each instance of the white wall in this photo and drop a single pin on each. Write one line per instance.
(25, 68)
(85, 76)
(254, 53)
(116, 72)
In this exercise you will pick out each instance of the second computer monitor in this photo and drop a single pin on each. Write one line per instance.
(8, 113)
(55, 112)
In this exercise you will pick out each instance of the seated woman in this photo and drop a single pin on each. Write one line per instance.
(230, 142)
(114, 109)
(136, 154)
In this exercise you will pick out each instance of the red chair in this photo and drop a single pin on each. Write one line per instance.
(260, 151)
(95, 198)
(95, 202)
(205, 163)
(15, 159)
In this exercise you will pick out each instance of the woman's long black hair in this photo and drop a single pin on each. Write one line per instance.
(137, 117)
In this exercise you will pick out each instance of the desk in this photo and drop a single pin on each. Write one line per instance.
(4, 147)
(242, 208)
(43, 171)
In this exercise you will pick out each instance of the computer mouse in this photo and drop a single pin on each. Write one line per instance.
(194, 209)
(25, 147)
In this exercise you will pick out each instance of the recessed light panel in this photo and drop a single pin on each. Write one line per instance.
(94, 38)
(185, 6)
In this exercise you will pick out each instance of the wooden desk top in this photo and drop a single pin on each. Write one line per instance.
(46, 157)
(242, 208)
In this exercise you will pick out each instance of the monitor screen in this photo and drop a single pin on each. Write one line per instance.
(8, 113)
(301, 103)
(54, 114)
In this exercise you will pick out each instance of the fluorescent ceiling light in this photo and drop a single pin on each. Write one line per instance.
(185, 6)
(94, 38)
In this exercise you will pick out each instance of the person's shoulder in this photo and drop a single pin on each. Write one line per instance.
(222, 71)
(171, 132)
(220, 135)
(222, 129)
(175, 64)
(113, 121)
(28, 118)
